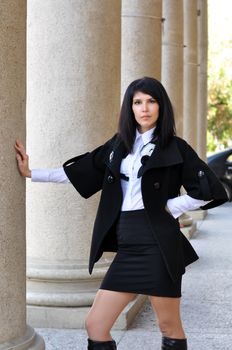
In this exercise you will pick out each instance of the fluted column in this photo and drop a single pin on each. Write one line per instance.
(14, 332)
(172, 57)
(202, 88)
(73, 105)
(190, 72)
(141, 40)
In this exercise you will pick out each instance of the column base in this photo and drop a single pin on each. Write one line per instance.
(29, 341)
(74, 317)
(63, 284)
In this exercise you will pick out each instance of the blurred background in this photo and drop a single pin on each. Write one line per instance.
(219, 132)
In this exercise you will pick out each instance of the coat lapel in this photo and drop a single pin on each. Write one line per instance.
(163, 157)
(113, 162)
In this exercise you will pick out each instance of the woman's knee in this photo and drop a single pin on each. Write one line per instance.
(92, 322)
(168, 316)
(166, 327)
(96, 329)
(89, 323)
(171, 328)
(105, 310)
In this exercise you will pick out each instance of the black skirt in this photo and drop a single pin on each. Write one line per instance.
(138, 267)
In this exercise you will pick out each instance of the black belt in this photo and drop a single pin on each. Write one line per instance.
(124, 177)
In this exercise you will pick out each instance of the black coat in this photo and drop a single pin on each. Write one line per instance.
(162, 177)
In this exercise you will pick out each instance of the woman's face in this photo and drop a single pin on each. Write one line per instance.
(146, 111)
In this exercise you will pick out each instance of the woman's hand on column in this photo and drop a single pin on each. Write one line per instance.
(22, 159)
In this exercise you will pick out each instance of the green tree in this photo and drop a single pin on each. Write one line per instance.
(219, 112)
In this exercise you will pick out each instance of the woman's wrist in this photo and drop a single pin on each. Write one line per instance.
(28, 174)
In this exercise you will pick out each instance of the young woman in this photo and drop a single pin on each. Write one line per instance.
(140, 171)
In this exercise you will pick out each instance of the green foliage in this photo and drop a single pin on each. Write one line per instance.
(219, 112)
(211, 145)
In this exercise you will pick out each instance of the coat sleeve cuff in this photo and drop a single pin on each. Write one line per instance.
(56, 175)
(181, 204)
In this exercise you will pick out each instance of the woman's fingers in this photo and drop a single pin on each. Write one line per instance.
(18, 157)
(21, 149)
(19, 146)
(22, 159)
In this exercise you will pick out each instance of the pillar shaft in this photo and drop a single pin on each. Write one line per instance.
(73, 105)
(202, 78)
(190, 72)
(14, 332)
(141, 40)
(172, 57)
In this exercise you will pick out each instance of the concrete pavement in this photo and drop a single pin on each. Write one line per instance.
(206, 302)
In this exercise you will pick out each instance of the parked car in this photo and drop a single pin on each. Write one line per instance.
(221, 164)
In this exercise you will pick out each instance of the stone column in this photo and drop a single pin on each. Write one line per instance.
(190, 72)
(141, 40)
(202, 78)
(14, 332)
(172, 57)
(73, 106)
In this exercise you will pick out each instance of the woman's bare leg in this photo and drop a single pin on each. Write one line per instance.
(167, 311)
(105, 310)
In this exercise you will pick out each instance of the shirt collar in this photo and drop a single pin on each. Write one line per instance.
(146, 136)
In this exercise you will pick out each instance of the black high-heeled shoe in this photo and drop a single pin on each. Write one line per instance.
(173, 344)
(101, 345)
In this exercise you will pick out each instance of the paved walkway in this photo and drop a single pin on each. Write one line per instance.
(206, 302)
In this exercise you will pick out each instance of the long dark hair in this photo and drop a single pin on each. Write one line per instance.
(165, 126)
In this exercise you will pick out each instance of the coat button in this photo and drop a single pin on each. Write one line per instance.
(157, 185)
(110, 179)
(201, 173)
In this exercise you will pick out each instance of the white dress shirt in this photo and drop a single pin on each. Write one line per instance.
(132, 196)
(131, 189)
